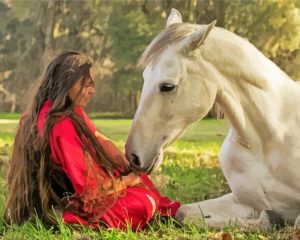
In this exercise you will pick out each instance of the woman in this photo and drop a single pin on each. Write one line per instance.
(60, 161)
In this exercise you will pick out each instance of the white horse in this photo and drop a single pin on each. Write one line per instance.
(190, 67)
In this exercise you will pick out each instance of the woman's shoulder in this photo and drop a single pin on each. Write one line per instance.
(64, 126)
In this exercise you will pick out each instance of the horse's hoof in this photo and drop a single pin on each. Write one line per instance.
(180, 215)
(270, 219)
(189, 215)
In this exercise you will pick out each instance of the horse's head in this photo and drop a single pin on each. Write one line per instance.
(176, 91)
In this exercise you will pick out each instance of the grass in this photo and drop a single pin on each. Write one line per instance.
(190, 173)
(5, 116)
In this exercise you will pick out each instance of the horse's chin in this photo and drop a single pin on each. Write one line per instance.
(156, 162)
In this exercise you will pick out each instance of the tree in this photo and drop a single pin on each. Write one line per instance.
(272, 26)
(115, 33)
(130, 32)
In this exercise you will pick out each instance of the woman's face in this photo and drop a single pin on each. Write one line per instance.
(82, 91)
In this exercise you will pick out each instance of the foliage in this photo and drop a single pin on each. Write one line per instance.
(273, 26)
(115, 33)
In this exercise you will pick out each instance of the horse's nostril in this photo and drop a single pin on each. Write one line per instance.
(135, 160)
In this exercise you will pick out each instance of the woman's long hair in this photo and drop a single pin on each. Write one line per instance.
(28, 179)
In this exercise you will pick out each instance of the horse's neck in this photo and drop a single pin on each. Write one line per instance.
(252, 90)
(248, 110)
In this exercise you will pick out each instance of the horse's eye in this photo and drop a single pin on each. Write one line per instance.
(167, 87)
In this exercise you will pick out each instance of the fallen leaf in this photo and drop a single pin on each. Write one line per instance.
(227, 236)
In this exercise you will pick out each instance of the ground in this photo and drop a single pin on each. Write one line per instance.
(190, 173)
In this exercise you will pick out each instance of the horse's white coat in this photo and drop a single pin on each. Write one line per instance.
(260, 156)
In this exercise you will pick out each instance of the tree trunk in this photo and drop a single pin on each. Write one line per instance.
(50, 22)
(9, 97)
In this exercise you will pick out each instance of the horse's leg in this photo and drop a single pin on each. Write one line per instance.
(269, 219)
(225, 211)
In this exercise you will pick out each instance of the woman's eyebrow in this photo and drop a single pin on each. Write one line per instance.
(90, 81)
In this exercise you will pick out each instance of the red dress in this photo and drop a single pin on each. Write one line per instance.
(132, 207)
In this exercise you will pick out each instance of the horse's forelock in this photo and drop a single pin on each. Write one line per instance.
(172, 34)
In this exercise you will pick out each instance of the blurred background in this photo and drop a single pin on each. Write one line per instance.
(115, 33)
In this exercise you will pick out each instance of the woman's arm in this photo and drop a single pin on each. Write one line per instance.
(113, 151)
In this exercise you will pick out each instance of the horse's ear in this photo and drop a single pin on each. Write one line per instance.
(174, 17)
(197, 38)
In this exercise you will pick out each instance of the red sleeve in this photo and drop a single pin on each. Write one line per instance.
(111, 150)
(114, 153)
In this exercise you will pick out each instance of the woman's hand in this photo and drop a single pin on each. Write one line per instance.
(132, 179)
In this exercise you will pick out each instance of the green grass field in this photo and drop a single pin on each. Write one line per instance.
(190, 173)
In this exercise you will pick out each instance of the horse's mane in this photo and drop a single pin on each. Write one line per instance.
(172, 34)
(238, 53)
